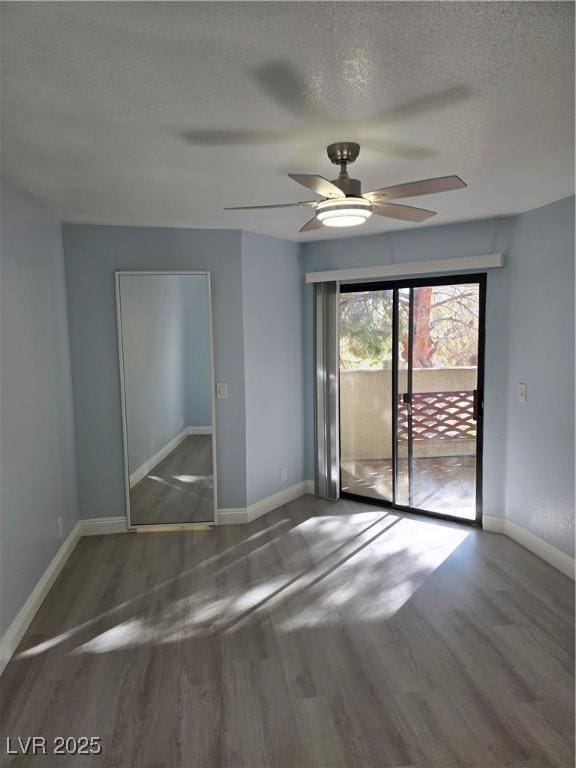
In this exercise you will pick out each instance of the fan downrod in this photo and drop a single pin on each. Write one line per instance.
(342, 153)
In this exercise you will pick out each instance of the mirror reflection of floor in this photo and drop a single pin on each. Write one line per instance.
(179, 489)
(442, 484)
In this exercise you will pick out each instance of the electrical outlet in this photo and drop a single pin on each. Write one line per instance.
(221, 390)
(59, 523)
(522, 393)
(284, 474)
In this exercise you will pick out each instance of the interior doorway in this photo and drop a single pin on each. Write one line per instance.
(411, 394)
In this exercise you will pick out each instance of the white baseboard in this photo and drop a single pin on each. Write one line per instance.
(198, 430)
(98, 526)
(310, 487)
(141, 472)
(15, 632)
(244, 515)
(535, 544)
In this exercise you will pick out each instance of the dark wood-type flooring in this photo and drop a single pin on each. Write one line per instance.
(320, 635)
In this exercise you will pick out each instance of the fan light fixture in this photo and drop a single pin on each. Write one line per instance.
(344, 203)
(346, 212)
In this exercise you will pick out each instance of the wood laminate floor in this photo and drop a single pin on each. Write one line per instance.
(180, 489)
(320, 635)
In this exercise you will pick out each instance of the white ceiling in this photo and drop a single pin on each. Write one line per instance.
(163, 113)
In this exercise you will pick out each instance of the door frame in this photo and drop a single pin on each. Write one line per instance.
(385, 285)
(161, 527)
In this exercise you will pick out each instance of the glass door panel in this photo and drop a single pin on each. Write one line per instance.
(366, 435)
(410, 394)
(444, 373)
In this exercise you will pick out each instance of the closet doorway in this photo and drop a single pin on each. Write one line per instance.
(411, 394)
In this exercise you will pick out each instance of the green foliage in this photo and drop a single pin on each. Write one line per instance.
(450, 328)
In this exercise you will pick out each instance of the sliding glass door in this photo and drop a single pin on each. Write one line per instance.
(411, 373)
(366, 409)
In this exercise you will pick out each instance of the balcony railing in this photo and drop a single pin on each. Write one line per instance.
(438, 416)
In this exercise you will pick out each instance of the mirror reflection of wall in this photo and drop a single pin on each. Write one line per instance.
(168, 390)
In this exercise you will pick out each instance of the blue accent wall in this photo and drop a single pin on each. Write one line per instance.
(37, 456)
(274, 364)
(93, 254)
(540, 352)
(197, 353)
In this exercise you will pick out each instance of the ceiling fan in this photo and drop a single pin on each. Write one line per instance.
(344, 205)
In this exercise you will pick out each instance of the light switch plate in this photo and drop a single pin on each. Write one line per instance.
(522, 393)
(221, 391)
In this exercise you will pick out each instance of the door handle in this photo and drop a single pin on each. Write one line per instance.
(475, 406)
(406, 398)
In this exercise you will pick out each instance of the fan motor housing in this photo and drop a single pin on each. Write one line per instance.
(350, 187)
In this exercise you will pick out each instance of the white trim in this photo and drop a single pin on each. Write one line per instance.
(99, 526)
(198, 430)
(17, 629)
(535, 544)
(463, 264)
(244, 515)
(213, 429)
(493, 524)
(172, 528)
(122, 394)
(311, 487)
(141, 471)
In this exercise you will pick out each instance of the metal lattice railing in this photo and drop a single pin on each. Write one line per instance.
(438, 416)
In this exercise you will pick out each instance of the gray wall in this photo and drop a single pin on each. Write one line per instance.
(540, 352)
(520, 310)
(155, 369)
(37, 457)
(92, 254)
(273, 359)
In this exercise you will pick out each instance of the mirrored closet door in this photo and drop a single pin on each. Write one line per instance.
(167, 379)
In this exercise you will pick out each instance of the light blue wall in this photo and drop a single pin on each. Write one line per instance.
(197, 354)
(155, 370)
(273, 359)
(37, 457)
(529, 337)
(92, 255)
(540, 352)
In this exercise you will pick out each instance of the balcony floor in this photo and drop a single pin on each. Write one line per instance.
(441, 484)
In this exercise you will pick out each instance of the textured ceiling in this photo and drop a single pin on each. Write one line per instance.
(163, 113)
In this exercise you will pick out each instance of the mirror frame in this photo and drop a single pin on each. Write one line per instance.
(163, 526)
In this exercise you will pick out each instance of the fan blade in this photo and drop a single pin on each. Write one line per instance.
(286, 86)
(222, 137)
(318, 184)
(416, 188)
(312, 224)
(279, 205)
(402, 212)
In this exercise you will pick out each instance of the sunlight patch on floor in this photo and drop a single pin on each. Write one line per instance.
(358, 568)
